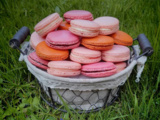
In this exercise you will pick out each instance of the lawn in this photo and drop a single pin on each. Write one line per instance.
(19, 91)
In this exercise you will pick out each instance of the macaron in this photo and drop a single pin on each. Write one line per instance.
(98, 43)
(108, 25)
(37, 61)
(84, 28)
(122, 38)
(48, 24)
(64, 26)
(64, 68)
(84, 55)
(120, 66)
(77, 14)
(35, 39)
(118, 53)
(100, 69)
(48, 53)
(62, 39)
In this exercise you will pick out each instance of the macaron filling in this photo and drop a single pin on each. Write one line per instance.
(97, 71)
(64, 44)
(109, 29)
(83, 30)
(80, 56)
(84, 18)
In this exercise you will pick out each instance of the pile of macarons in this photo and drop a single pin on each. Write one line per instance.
(79, 45)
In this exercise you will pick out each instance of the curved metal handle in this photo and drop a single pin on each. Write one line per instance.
(145, 45)
(19, 37)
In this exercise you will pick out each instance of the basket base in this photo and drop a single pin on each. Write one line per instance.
(81, 101)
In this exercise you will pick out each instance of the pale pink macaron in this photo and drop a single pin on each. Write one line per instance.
(48, 24)
(118, 53)
(64, 68)
(120, 66)
(100, 69)
(37, 61)
(85, 56)
(62, 39)
(84, 28)
(35, 39)
(77, 14)
(108, 25)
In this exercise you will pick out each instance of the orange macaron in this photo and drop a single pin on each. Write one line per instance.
(100, 42)
(47, 53)
(122, 38)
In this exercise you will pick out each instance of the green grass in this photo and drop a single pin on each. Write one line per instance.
(19, 93)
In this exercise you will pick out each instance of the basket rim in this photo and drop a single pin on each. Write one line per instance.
(79, 80)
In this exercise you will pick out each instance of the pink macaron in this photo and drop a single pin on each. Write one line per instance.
(100, 69)
(37, 61)
(35, 39)
(118, 53)
(120, 66)
(77, 14)
(48, 24)
(64, 68)
(62, 39)
(108, 25)
(84, 28)
(85, 56)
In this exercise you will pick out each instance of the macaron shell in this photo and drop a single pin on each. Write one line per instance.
(35, 39)
(120, 66)
(115, 58)
(62, 39)
(100, 66)
(84, 28)
(98, 43)
(38, 62)
(48, 24)
(85, 24)
(64, 26)
(63, 73)
(100, 74)
(77, 14)
(84, 60)
(92, 47)
(64, 65)
(63, 47)
(83, 33)
(118, 53)
(108, 24)
(122, 38)
(45, 21)
(100, 69)
(34, 56)
(85, 56)
(48, 53)
(50, 27)
(85, 52)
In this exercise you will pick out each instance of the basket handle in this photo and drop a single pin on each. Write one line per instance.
(145, 45)
(19, 37)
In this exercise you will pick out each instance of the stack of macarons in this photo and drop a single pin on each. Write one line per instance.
(79, 45)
